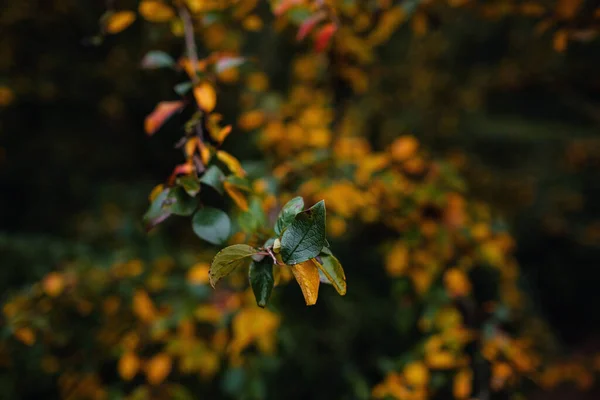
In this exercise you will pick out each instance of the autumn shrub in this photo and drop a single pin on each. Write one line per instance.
(423, 261)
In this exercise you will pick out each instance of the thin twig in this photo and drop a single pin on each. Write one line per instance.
(192, 52)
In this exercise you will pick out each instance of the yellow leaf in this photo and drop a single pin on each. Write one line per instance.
(156, 11)
(236, 195)
(232, 163)
(416, 374)
(396, 261)
(143, 306)
(198, 274)
(119, 21)
(25, 335)
(404, 147)
(204, 153)
(205, 96)
(129, 365)
(53, 284)
(457, 283)
(251, 120)
(388, 23)
(307, 276)
(158, 368)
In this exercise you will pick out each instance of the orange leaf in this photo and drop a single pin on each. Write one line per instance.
(158, 368)
(232, 163)
(567, 9)
(324, 36)
(204, 153)
(561, 39)
(206, 97)
(309, 24)
(236, 195)
(143, 306)
(129, 364)
(156, 11)
(119, 21)
(161, 113)
(307, 276)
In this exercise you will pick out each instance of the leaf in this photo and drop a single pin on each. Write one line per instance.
(183, 87)
(212, 225)
(285, 5)
(305, 237)
(237, 196)
(307, 276)
(179, 203)
(205, 96)
(231, 162)
(262, 281)
(332, 269)
(118, 21)
(157, 59)
(324, 36)
(156, 11)
(214, 178)
(156, 214)
(309, 24)
(160, 114)
(190, 184)
(224, 63)
(229, 259)
(288, 213)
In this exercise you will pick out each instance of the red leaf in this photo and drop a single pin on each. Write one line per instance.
(309, 24)
(161, 113)
(324, 36)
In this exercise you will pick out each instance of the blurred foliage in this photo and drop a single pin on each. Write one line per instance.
(418, 123)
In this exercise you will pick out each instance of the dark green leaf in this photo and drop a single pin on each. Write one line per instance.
(305, 237)
(179, 203)
(288, 213)
(157, 59)
(212, 225)
(214, 178)
(262, 280)
(229, 259)
(156, 213)
(190, 184)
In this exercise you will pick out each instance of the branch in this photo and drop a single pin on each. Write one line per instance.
(192, 52)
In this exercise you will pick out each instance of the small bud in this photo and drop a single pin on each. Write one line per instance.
(276, 246)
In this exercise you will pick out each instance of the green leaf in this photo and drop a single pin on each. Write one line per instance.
(305, 237)
(212, 225)
(190, 184)
(214, 178)
(179, 203)
(156, 213)
(240, 183)
(183, 87)
(332, 269)
(253, 219)
(157, 59)
(262, 280)
(229, 259)
(288, 213)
